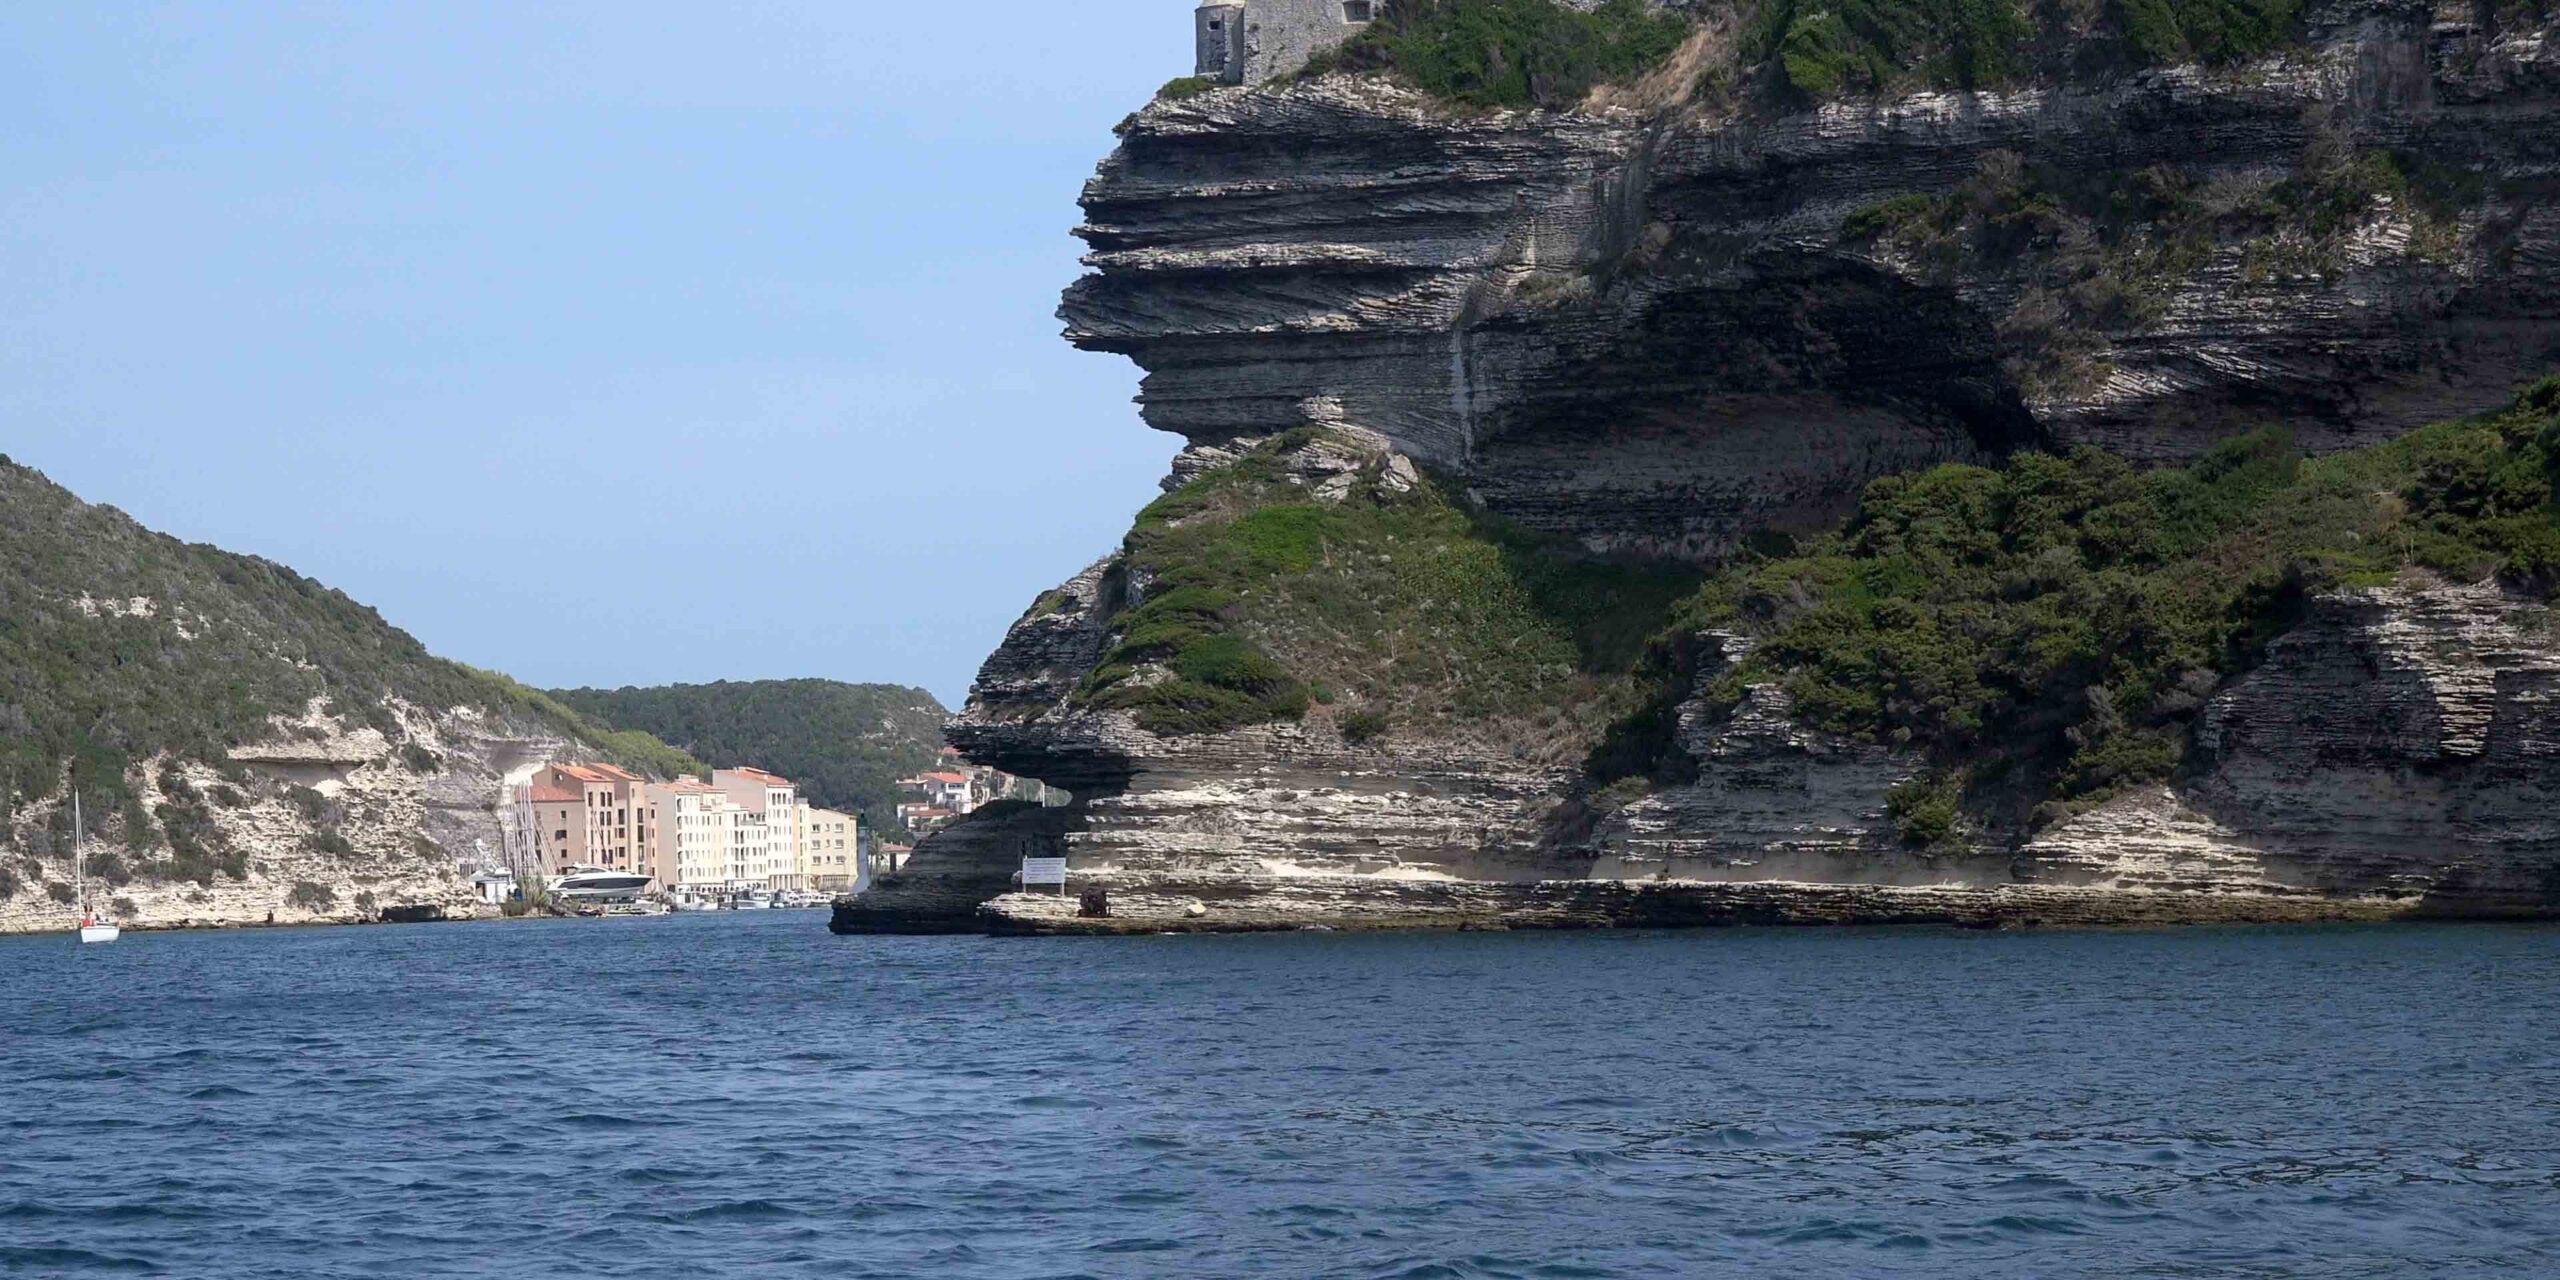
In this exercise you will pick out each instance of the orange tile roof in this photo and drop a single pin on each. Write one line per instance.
(555, 795)
(745, 771)
(948, 777)
(581, 772)
(615, 772)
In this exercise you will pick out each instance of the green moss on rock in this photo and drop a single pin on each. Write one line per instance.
(1401, 600)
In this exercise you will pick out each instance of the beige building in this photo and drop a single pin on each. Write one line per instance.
(764, 836)
(689, 834)
(830, 849)
(582, 815)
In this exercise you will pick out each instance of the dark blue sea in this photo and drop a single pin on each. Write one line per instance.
(741, 1094)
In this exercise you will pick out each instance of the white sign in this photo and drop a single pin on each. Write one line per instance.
(1044, 871)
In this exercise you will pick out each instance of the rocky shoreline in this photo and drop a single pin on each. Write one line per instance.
(1249, 904)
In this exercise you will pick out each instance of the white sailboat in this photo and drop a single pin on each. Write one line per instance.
(91, 929)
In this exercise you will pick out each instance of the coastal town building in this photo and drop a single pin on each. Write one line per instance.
(955, 788)
(689, 829)
(830, 851)
(1250, 41)
(763, 834)
(581, 815)
(738, 829)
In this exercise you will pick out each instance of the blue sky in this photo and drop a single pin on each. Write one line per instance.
(472, 310)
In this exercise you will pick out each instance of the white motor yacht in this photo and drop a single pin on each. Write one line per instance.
(599, 885)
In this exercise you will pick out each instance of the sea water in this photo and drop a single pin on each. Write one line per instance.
(741, 1094)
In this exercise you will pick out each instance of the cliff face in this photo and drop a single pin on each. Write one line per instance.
(1660, 330)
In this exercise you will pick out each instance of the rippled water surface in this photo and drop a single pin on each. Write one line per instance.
(742, 1094)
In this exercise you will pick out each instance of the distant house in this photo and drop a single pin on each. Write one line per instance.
(1250, 41)
(830, 850)
(493, 886)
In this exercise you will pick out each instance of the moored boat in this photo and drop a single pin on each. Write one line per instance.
(599, 885)
(92, 929)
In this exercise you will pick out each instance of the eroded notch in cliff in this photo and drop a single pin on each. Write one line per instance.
(1765, 398)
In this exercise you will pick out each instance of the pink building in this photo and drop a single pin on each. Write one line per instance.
(583, 815)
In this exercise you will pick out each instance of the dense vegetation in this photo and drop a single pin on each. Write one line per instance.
(94, 685)
(845, 744)
(2045, 630)
(1514, 53)
(2100, 253)
(1510, 53)
(1392, 604)
(1815, 50)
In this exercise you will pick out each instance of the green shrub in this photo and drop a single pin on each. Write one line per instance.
(1182, 87)
(2063, 617)
(1926, 810)
(111, 868)
(197, 848)
(1510, 53)
(1821, 49)
(9, 884)
(312, 896)
(330, 843)
(2206, 30)
(1814, 49)
(60, 892)
(418, 759)
(1362, 726)
(1892, 214)
(312, 805)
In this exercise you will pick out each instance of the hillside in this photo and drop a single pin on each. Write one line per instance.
(236, 730)
(845, 744)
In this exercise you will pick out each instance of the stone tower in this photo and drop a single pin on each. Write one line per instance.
(1250, 41)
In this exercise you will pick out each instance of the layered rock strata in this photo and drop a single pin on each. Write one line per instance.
(1646, 328)
(2397, 755)
(1652, 330)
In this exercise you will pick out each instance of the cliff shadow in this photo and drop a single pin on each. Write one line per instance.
(1764, 395)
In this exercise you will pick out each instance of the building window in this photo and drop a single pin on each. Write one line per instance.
(1356, 10)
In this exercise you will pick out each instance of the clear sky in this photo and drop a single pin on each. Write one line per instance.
(602, 343)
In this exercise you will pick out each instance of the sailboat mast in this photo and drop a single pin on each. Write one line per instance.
(79, 869)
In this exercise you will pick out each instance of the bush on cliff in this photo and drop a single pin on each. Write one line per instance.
(2094, 255)
(1813, 49)
(2055, 623)
(1391, 591)
(1510, 53)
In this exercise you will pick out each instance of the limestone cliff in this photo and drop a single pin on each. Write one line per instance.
(248, 745)
(1673, 320)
